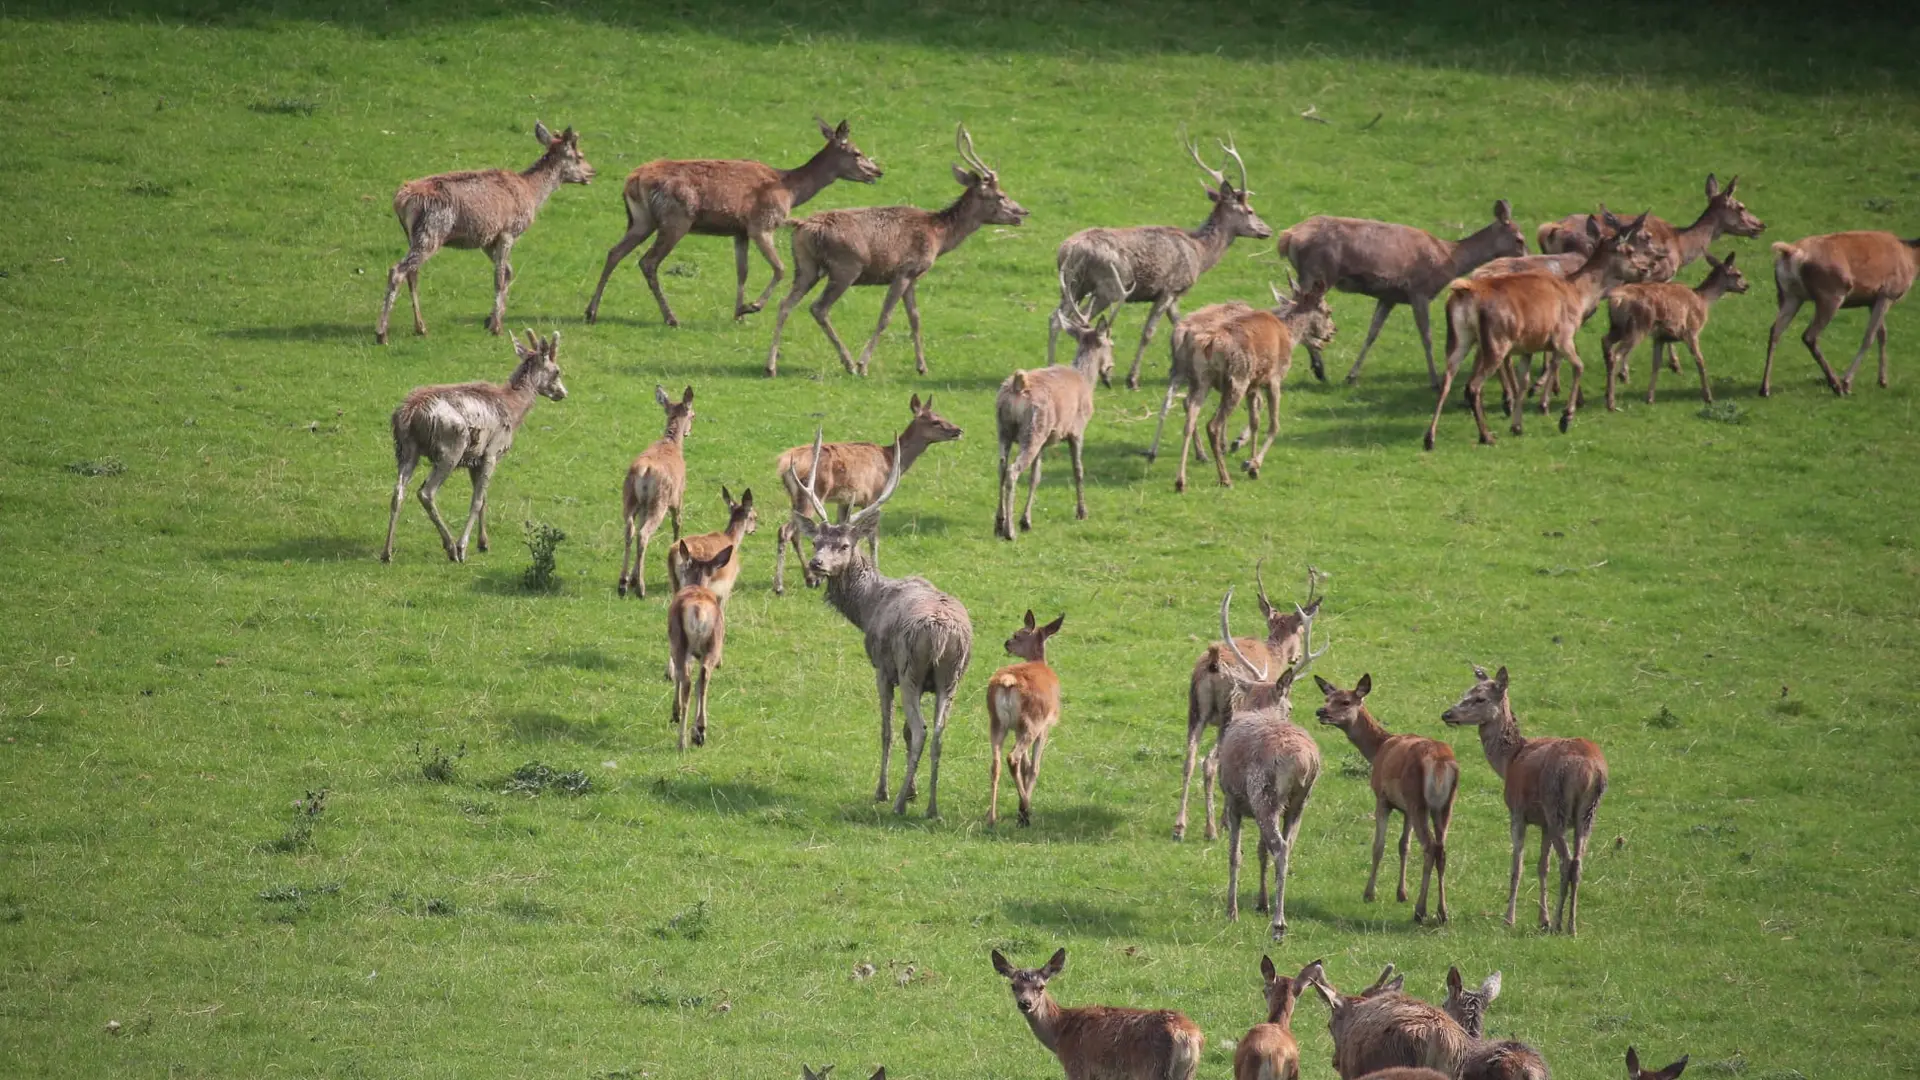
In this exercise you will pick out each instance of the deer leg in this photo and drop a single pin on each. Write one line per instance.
(408, 461)
(1382, 812)
(1158, 309)
(681, 687)
(1406, 828)
(943, 691)
(1195, 728)
(479, 475)
(1166, 404)
(502, 280)
(408, 268)
(1609, 355)
(1209, 777)
(1079, 477)
(886, 733)
(1547, 841)
(1233, 864)
(805, 275)
(669, 234)
(916, 743)
(1196, 394)
(1700, 362)
(1282, 855)
(1380, 310)
(1272, 394)
(1581, 834)
(1031, 454)
(1824, 308)
(413, 298)
(1003, 509)
(1789, 307)
(912, 305)
(1425, 835)
(1420, 315)
(764, 241)
(1565, 349)
(637, 232)
(1517, 825)
(626, 556)
(1876, 322)
(1022, 761)
(997, 733)
(895, 290)
(700, 708)
(1229, 401)
(1512, 387)
(1883, 355)
(1653, 369)
(1442, 821)
(1039, 749)
(441, 470)
(1260, 855)
(740, 276)
(836, 288)
(1456, 351)
(1490, 361)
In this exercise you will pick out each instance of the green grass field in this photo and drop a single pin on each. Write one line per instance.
(197, 463)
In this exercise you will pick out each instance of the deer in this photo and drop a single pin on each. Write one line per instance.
(809, 1074)
(918, 638)
(1154, 264)
(655, 484)
(1675, 248)
(1394, 264)
(1526, 313)
(1244, 352)
(1872, 270)
(1632, 263)
(1385, 1029)
(1210, 690)
(889, 245)
(1036, 409)
(1103, 1042)
(696, 635)
(742, 522)
(1554, 784)
(1671, 1072)
(1267, 1051)
(1668, 313)
(850, 475)
(1023, 699)
(1412, 774)
(1488, 1059)
(747, 200)
(1268, 764)
(468, 426)
(486, 209)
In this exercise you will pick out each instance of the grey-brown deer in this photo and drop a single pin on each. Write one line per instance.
(742, 522)
(1268, 1051)
(1488, 1059)
(486, 209)
(1385, 1029)
(746, 200)
(1872, 270)
(696, 636)
(1675, 248)
(1103, 1042)
(1667, 312)
(655, 484)
(1553, 784)
(1023, 700)
(1038, 408)
(468, 426)
(892, 246)
(1153, 264)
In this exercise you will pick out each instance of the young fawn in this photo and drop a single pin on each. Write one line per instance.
(742, 521)
(1103, 1042)
(696, 634)
(655, 483)
(1024, 699)
(1668, 313)
(1267, 1051)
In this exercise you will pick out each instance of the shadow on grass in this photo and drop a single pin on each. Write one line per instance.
(1393, 918)
(303, 332)
(304, 549)
(1074, 917)
(533, 726)
(1085, 823)
(725, 798)
(579, 658)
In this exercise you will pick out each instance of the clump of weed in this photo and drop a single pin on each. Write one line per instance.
(285, 107)
(438, 766)
(683, 269)
(106, 466)
(542, 539)
(691, 924)
(150, 189)
(1724, 412)
(1877, 204)
(1664, 719)
(1355, 767)
(299, 833)
(1732, 1066)
(653, 997)
(527, 910)
(293, 901)
(535, 778)
(1790, 707)
(11, 910)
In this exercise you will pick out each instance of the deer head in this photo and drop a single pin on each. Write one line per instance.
(564, 149)
(1029, 984)
(1093, 338)
(844, 159)
(927, 427)
(1281, 992)
(697, 572)
(1729, 214)
(740, 515)
(1469, 1007)
(1343, 707)
(1030, 641)
(1485, 703)
(1248, 674)
(1505, 237)
(983, 184)
(1306, 314)
(679, 414)
(1635, 1072)
(539, 365)
(1731, 279)
(1231, 210)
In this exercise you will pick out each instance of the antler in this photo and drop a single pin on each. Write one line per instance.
(1307, 655)
(1068, 302)
(813, 472)
(1226, 634)
(963, 143)
(1235, 155)
(1266, 605)
(1380, 983)
(872, 509)
(1314, 574)
(1193, 150)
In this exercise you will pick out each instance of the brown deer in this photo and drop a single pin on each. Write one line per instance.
(1024, 699)
(1413, 774)
(1210, 690)
(747, 200)
(1394, 264)
(1840, 270)
(468, 426)
(742, 522)
(892, 246)
(1387, 1030)
(1154, 264)
(850, 475)
(1668, 313)
(1525, 313)
(1267, 1051)
(655, 483)
(696, 635)
(1036, 409)
(1555, 784)
(1632, 263)
(1268, 764)
(486, 209)
(1103, 1042)
(1671, 1072)
(1488, 1059)
(1675, 248)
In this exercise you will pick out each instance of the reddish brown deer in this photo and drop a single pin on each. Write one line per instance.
(1210, 690)
(1488, 1059)
(892, 246)
(1153, 264)
(655, 483)
(1103, 1042)
(696, 635)
(1671, 1072)
(1555, 784)
(1387, 1030)
(1525, 313)
(747, 200)
(1413, 774)
(850, 475)
(468, 426)
(1840, 270)
(1674, 248)
(1024, 699)
(1267, 1051)
(1668, 313)
(742, 522)
(1632, 263)
(486, 209)
(1394, 264)
(1036, 409)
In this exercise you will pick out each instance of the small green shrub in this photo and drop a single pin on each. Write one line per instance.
(106, 466)
(438, 766)
(285, 107)
(299, 833)
(691, 924)
(542, 539)
(1724, 412)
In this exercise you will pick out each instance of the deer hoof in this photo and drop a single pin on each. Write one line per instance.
(1565, 419)
(1179, 486)
(1026, 525)
(1367, 896)
(1419, 916)
(1429, 441)
(380, 338)
(1133, 382)
(699, 736)
(1279, 931)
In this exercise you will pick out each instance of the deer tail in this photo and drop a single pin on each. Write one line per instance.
(1788, 258)
(1460, 324)
(697, 621)
(1440, 782)
(1183, 1060)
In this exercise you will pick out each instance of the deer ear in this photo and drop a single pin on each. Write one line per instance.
(879, 1074)
(1503, 211)
(1675, 1069)
(1731, 184)
(685, 551)
(806, 525)
(1500, 678)
(553, 344)
(1053, 627)
(807, 1074)
(1266, 969)
(1326, 995)
(1313, 606)
(1633, 1064)
(687, 397)
(1284, 684)
(1711, 261)
(726, 496)
(1713, 186)
(660, 395)
(746, 499)
(1365, 685)
(842, 131)
(1728, 261)
(570, 136)
(1593, 227)
(1000, 964)
(1454, 982)
(541, 134)
(826, 132)
(1029, 618)
(1325, 686)
(1055, 964)
(965, 177)
(723, 558)
(1479, 672)
(914, 404)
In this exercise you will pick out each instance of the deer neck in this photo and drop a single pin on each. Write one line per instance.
(1711, 289)
(1212, 238)
(1475, 250)
(1595, 276)
(1045, 1021)
(1695, 238)
(911, 447)
(737, 530)
(1502, 739)
(851, 591)
(1282, 1012)
(1087, 363)
(1366, 734)
(959, 221)
(809, 179)
(543, 177)
(519, 395)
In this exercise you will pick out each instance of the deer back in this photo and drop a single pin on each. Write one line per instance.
(1416, 774)
(1561, 264)
(850, 473)
(1523, 312)
(1024, 697)
(882, 242)
(717, 196)
(1555, 782)
(1158, 260)
(1860, 267)
(657, 477)
(913, 630)
(1392, 1030)
(694, 621)
(1267, 762)
(1127, 1044)
(1665, 308)
(706, 546)
(1266, 1052)
(1507, 1059)
(1047, 403)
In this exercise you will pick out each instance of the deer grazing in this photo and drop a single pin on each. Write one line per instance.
(1210, 690)
(1413, 774)
(1526, 313)
(1024, 699)
(486, 209)
(1036, 409)
(1671, 1072)
(1555, 784)
(468, 426)
(696, 635)
(1668, 313)
(918, 638)
(655, 483)
(1153, 264)
(1394, 264)
(892, 246)
(742, 522)
(1384, 1029)
(1103, 1042)
(747, 200)
(1268, 764)
(1674, 248)
(1267, 1051)
(1488, 1059)
(850, 475)
(1840, 270)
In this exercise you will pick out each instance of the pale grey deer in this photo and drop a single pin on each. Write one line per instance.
(1036, 409)
(1381, 1028)
(1488, 1059)
(486, 209)
(468, 426)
